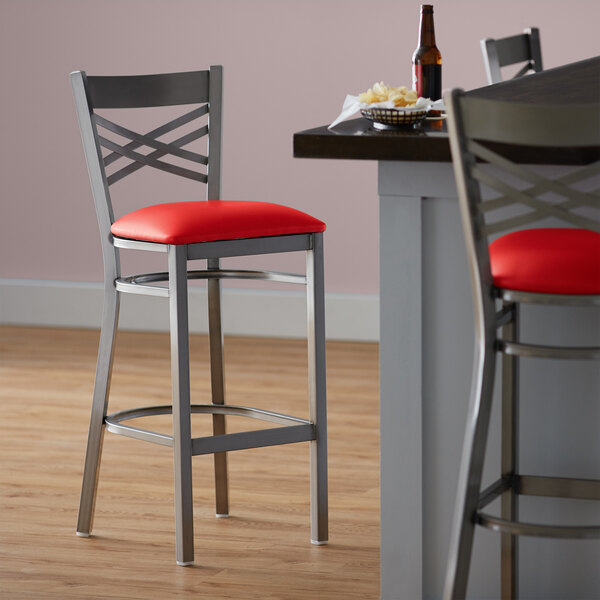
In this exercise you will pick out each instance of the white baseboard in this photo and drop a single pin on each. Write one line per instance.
(245, 312)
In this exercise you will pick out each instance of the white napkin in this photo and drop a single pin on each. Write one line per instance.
(352, 106)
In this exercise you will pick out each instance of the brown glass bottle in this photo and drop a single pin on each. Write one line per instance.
(427, 59)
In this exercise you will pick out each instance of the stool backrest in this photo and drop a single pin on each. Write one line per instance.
(523, 48)
(496, 194)
(93, 93)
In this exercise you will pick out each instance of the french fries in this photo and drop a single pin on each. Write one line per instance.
(400, 96)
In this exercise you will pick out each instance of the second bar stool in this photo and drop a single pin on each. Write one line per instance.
(541, 265)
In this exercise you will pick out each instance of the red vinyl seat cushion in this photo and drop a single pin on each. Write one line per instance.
(551, 261)
(212, 220)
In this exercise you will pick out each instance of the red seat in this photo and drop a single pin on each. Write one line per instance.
(212, 220)
(551, 261)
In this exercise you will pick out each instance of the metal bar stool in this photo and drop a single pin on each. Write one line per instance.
(181, 232)
(522, 48)
(541, 265)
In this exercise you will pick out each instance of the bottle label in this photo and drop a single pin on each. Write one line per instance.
(427, 81)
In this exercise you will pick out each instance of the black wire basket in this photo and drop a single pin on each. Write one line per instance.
(393, 118)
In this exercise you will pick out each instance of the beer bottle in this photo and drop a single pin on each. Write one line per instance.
(427, 59)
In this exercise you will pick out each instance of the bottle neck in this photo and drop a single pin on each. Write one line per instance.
(427, 32)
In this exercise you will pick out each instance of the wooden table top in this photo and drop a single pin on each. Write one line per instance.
(357, 139)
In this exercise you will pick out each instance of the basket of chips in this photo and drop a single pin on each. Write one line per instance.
(391, 107)
(388, 107)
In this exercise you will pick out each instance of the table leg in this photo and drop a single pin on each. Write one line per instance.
(400, 378)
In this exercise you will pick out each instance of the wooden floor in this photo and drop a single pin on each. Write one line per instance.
(261, 552)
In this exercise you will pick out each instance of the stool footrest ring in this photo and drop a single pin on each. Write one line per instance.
(555, 352)
(294, 429)
(537, 530)
(541, 486)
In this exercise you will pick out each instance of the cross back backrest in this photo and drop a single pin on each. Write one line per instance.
(522, 48)
(516, 196)
(93, 93)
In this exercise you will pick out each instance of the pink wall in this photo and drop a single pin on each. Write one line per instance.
(288, 65)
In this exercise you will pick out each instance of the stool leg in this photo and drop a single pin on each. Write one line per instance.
(469, 481)
(510, 440)
(108, 330)
(217, 370)
(182, 435)
(317, 392)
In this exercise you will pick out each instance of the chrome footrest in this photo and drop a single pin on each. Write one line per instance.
(142, 283)
(547, 487)
(294, 429)
(555, 352)
(538, 530)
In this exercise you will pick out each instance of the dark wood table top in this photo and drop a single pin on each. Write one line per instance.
(357, 139)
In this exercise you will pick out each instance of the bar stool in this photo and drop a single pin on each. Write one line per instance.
(181, 232)
(522, 48)
(541, 265)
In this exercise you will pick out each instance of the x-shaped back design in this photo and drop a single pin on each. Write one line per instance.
(540, 209)
(174, 148)
(528, 66)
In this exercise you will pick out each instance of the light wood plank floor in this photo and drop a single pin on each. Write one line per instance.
(261, 552)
